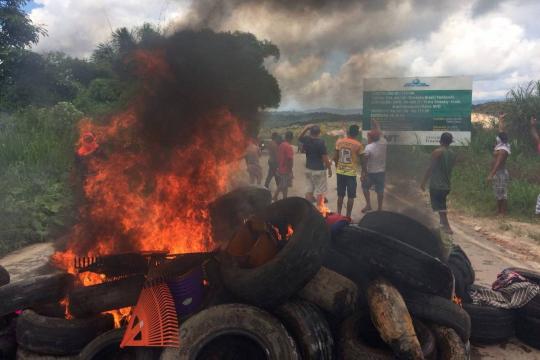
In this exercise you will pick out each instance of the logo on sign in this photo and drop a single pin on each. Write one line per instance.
(416, 83)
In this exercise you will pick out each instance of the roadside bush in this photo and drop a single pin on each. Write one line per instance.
(36, 155)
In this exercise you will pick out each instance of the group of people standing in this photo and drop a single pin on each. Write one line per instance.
(348, 156)
(352, 158)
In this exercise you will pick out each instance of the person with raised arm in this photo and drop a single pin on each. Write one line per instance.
(317, 163)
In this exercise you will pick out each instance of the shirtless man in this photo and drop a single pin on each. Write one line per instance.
(499, 174)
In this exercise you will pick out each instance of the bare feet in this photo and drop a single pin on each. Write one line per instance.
(367, 209)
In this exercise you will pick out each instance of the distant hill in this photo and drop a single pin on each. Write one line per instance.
(490, 108)
(273, 119)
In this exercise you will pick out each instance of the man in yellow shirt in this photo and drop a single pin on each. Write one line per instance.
(347, 158)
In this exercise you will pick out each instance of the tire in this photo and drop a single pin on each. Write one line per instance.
(528, 331)
(23, 354)
(107, 345)
(392, 320)
(383, 255)
(229, 211)
(354, 345)
(309, 328)
(405, 229)
(490, 325)
(449, 344)
(438, 310)
(8, 342)
(343, 265)
(53, 336)
(55, 310)
(332, 292)
(532, 308)
(272, 283)
(38, 290)
(208, 329)
(4, 276)
(459, 260)
(86, 301)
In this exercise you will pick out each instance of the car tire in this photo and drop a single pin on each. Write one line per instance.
(229, 211)
(210, 326)
(438, 310)
(405, 229)
(532, 308)
(54, 336)
(450, 346)
(309, 328)
(379, 254)
(107, 344)
(38, 290)
(4, 276)
(528, 330)
(354, 344)
(294, 265)
(490, 325)
(85, 301)
(332, 292)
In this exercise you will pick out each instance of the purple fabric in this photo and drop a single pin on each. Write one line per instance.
(506, 278)
(187, 291)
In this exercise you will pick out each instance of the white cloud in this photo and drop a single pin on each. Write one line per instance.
(77, 26)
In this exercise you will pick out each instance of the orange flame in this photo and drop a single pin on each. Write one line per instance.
(321, 206)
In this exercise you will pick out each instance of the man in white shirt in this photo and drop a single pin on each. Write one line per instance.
(374, 166)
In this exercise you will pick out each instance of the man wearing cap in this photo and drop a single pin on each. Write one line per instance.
(317, 162)
(440, 173)
(374, 166)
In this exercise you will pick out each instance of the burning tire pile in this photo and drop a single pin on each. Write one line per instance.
(282, 285)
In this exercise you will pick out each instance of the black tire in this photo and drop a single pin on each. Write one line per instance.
(405, 229)
(268, 338)
(229, 211)
(107, 346)
(309, 328)
(23, 354)
(438, 310)
(379, 254)
(359, 340)
(215, 292)
(8, 342)
(4, 276)
(490, 325)
(332, 292)
(459, 260)
(294, 265)
(528, 331)
(449, 345)
(56, 310)
(532, 308)
(53, 336)
(88, 301)
(38, 290)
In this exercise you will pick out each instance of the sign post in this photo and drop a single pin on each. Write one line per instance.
(416, 111)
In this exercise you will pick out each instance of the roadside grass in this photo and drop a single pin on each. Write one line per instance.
(36, 156)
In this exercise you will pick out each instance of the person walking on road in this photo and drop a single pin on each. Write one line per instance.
(499, 175)
(272, 160)
(285, 159)
(317, 163)
(374, 166)
(439, 174)
(536, 139)
(347, 156)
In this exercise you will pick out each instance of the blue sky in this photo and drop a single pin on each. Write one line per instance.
(326, 51)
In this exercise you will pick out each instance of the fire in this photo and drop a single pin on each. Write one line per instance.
(65, 303)
(321, 206)
(119, 316)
